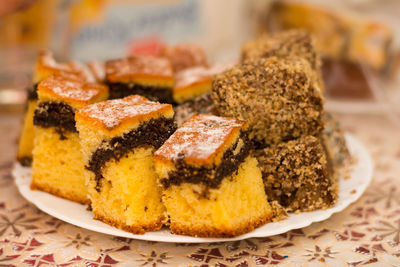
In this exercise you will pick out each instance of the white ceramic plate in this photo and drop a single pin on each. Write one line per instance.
(349, 191)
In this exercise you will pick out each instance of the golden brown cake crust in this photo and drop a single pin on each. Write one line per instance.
(135, 229)
(133, 68)
(47, 66)
(201, 140)
(72, 90)
(191, 77)
(113, 114)
(58, 193)
(214, 232)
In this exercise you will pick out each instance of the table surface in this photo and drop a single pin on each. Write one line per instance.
(366, 233)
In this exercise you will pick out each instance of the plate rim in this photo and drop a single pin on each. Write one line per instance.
(323, 214)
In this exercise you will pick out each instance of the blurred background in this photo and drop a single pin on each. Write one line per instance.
(359, 40)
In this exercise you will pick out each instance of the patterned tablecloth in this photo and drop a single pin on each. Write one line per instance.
(366, 233)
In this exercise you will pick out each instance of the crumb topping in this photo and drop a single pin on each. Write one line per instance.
(293, 43)
(276, 96)
(297, 175)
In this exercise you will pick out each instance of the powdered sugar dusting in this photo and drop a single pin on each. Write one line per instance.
(74, 89)
(112, 112)
(193, 75)
(199, 138)
(131, 66)
(190, 76)
(46, 59)
(98, 70)
(83, 70)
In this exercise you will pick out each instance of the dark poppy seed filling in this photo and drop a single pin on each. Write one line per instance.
(25, 161)
(55, 114)
(154, 93)
(32, 92)
(209, 176)
(151, 133)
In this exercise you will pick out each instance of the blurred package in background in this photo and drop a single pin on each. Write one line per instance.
(87, 30)
(358, 42)
(117, 28)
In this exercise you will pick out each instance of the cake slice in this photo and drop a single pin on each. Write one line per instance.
(118, 139)
(185, 55)
(45, 67)
(278, 97)
(147, 76)
(298, 175)
(212, 187)
(57, 159)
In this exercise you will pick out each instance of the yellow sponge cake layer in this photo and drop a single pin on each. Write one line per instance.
(57, 165)
(237, 206)
(25, 144)
(130, 197)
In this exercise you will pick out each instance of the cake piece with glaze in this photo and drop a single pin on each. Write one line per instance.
(118, 139)
(57, 160)
(212, 186)
(147, 76)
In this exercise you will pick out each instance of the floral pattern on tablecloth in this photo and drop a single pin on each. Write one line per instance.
(367, 233)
